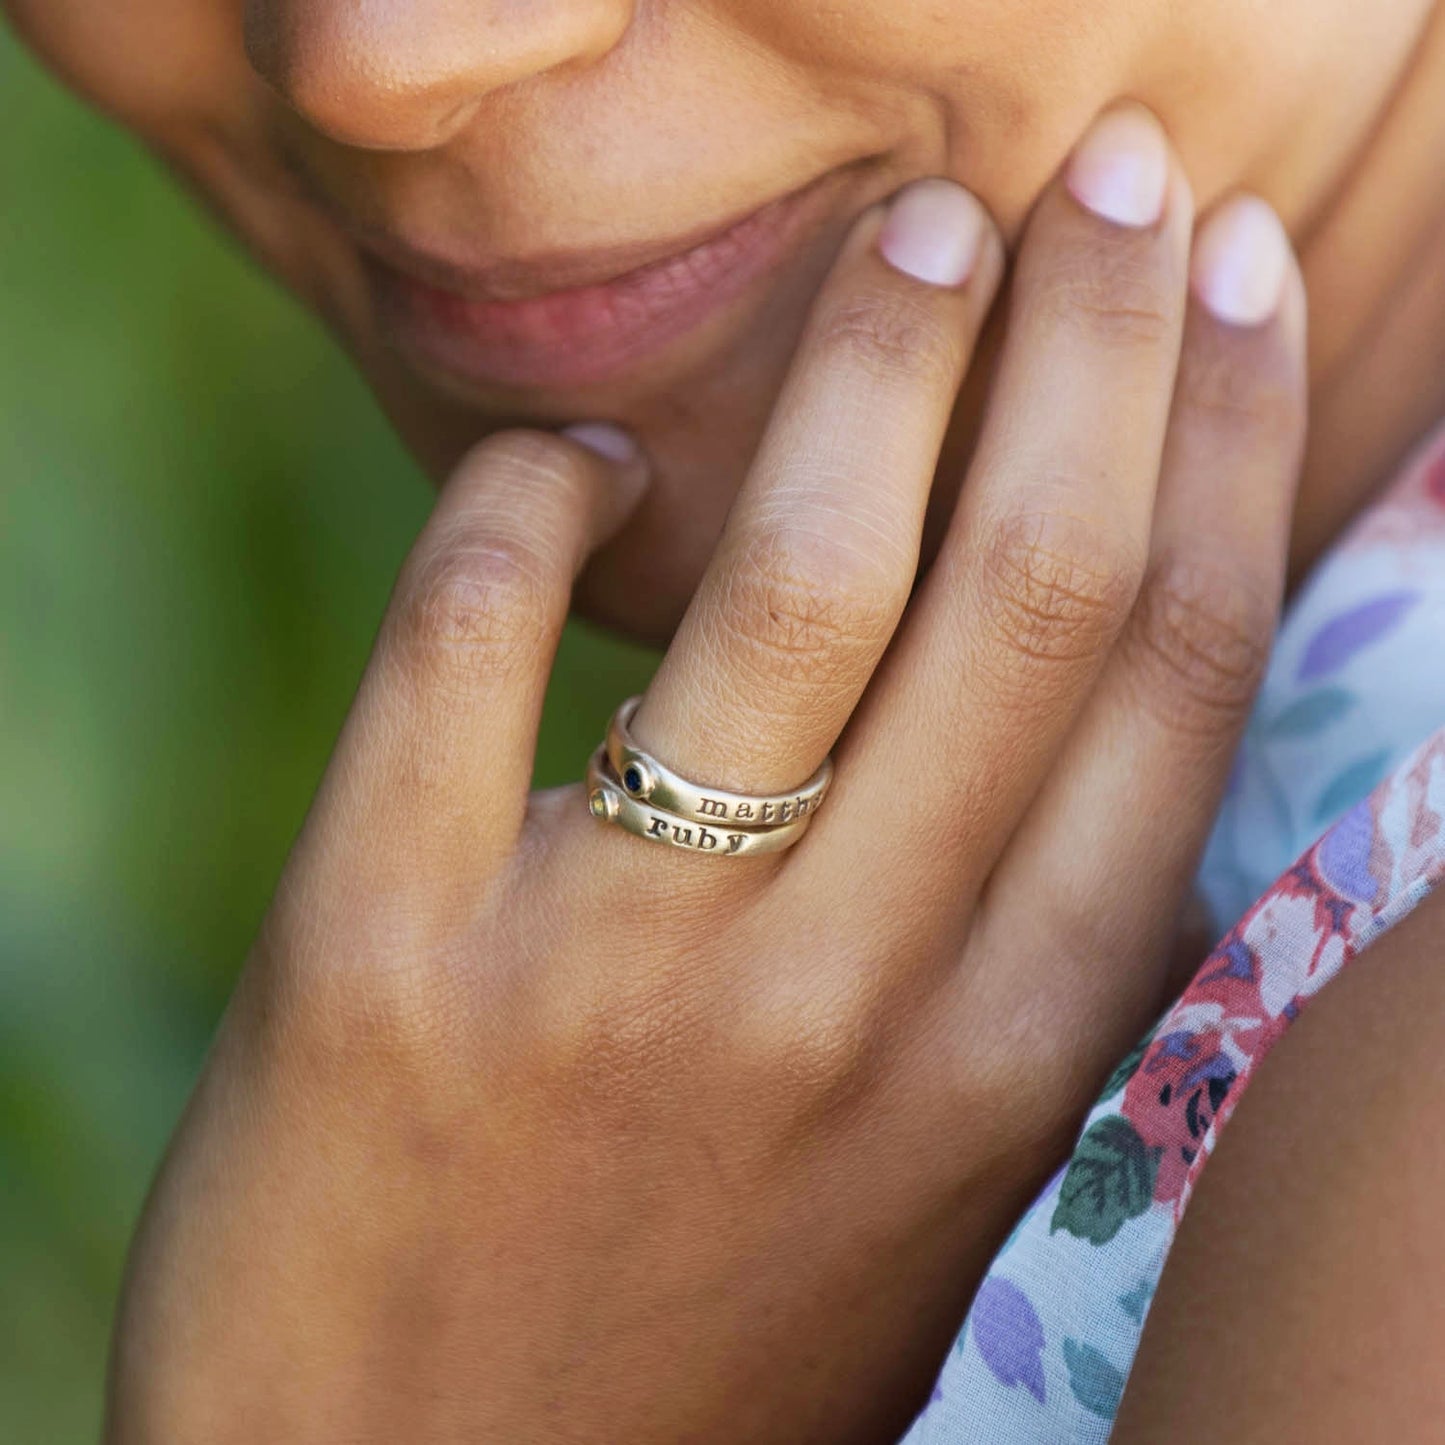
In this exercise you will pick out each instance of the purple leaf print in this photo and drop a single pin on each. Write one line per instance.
(1351, 632)
(1008, 1334)
(1344, 854)
(1236, 960)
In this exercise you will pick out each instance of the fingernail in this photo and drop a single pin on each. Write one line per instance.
(933, 232)
(1120, 169)
(606, 440)
(621, 449)
(1241, 256)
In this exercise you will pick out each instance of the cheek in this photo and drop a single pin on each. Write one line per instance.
(152, 64)
(993, 91)
(1028, 46)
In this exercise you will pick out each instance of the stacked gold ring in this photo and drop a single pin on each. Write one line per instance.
(631, 788)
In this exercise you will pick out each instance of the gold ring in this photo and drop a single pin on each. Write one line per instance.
(609, 801)
(645, 780)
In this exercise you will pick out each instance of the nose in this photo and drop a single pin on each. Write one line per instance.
(401, 75)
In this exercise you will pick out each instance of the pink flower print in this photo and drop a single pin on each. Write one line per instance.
(1299, 948)
(1173, 1098)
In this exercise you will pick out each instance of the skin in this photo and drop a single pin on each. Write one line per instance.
(466, 132)
(1327, 1271)
(466, 1164)
(370, 1225)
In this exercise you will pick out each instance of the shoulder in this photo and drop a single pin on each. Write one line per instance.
(1302, 1299)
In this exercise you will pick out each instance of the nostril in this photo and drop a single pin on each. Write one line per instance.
(382, 76)
(350, 78)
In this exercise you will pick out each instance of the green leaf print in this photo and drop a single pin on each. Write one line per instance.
(1313, 713)
(1110, 1180)
(1351, 786)
(1128, 1066)
(1097, 1385)
(1135, 1302)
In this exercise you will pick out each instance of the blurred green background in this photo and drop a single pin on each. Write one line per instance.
(201, 512)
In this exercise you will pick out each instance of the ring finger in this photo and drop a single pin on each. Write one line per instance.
(821, 547)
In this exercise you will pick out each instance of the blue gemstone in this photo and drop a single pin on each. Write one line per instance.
(632, 780)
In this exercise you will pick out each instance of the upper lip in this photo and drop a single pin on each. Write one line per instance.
(547, 272)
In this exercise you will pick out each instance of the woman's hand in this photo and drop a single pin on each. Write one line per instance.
(522, 1129)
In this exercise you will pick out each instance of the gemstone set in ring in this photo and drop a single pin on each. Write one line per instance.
(632, 789)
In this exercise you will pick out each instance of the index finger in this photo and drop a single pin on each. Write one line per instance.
(431, 774)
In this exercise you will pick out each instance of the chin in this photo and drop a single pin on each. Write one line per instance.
(699, 410)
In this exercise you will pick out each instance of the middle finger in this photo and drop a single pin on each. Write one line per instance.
(1047, 548)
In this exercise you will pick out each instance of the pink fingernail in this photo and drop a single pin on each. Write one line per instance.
(933, 232)
(1120, 169)
(606, 440)
(632, 471)
(1241, 257)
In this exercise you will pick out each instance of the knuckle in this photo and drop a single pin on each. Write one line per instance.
(889, 334)
(390, 1015)
(1023, 1088)
(817, 1047)
(613, 1051)
(1010, 1111)
(986, 1070)
(1058, 587)
(1261, 398)
(1021, 1082)
(801, 600)
(477, 601)
(814, 1051)
(1203, 633)
(1119, 293)
(473, 609)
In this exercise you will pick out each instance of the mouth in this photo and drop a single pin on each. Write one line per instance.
(580, 319)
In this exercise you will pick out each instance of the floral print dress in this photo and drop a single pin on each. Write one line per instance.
(1332, 830)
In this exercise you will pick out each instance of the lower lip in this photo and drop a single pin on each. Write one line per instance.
(593, 334)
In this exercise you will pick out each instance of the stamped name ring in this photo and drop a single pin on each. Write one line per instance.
(609, 801)
(645, 780)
